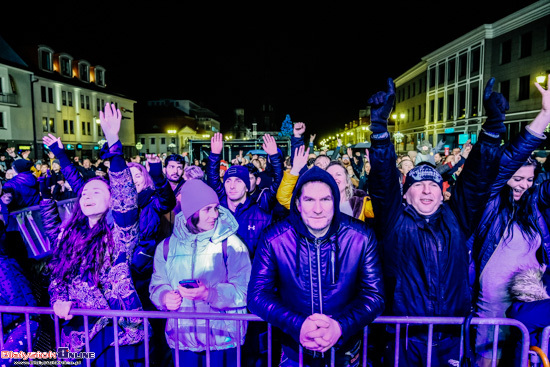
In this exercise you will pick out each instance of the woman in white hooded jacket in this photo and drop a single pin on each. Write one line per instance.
(203, 247)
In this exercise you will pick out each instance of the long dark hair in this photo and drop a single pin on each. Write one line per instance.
(522, 211)
(81, 249)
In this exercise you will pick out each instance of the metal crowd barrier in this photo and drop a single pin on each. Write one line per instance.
(146, 315)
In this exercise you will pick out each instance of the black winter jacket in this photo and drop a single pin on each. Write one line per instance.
(295, 274)
(426, 260)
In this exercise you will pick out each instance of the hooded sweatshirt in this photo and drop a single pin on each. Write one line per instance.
(200, 256)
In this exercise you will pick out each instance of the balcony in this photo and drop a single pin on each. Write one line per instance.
(10, 99)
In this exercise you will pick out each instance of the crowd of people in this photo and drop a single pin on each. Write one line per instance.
(318, 244)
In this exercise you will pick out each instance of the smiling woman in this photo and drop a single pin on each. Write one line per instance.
(90, 257)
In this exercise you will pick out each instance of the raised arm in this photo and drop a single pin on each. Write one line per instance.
(213, 169)
(69, 170)
(268, 197)
(383, 184)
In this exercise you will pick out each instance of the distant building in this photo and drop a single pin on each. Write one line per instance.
(43, 91)
(167, 125)
(441, 98)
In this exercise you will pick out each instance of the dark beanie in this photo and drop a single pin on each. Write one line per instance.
(422, 172)
(22, 165)
(239, 172)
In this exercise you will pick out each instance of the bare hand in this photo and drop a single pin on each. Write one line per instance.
(216, 143)
(312, 138)
(327, 333)
(62, 309)
(194, 294)
(299, 129)
(51, 140)
(269, 145)
(110, 122)
(301, 155)
(545, 96)
(172, 300)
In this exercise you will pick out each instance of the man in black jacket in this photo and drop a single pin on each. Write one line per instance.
(423, 238)
(316, 275)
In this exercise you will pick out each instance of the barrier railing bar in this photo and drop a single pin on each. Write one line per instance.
(1, 334)
(37, 232)
(238, 325)
(115, 331)
(177, 344)
(365, 345)
(28, 330)
(545, 339)
(397, 320)
(495, 346)
(396, 352)
(146, 341)
(269, 343)
(86, 338)
(207, 332)
(430, 342)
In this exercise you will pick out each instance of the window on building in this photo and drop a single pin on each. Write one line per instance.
(65, 126)
(46, 59)
(152, 141)
(46, 94)
(431, 78)
(100, 77)
(88, 128)
(462, 65)
(420, 112)
(44, 124)
(505, 89)
(99, 131)
(474, 101)
(461, 104)
(65, 66)
(476, 61)
(83, 128)
(412, 114)
(451, 71)
(506, 51)
(2, 123)
(87, 102)
(70, 98)
(163, 141)
(450, 107)
(432, 111)
(84, 72)
(52, 125)
(63, 98)
(82, 100)
(523, 92)
(142, 140)
(440, 109)
(526, 43)
(71, 127)
(547, 38)
(441, 74)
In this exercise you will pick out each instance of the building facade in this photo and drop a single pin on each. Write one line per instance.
(441, 98)
(48, 91)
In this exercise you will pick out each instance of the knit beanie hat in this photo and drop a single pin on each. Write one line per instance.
(239, 172)
(195, 194)
(422, 172)
(22, 165)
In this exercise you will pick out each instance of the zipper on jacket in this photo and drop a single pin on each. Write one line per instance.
(318, 251)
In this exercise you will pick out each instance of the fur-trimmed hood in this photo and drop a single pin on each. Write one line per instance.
(527, 285)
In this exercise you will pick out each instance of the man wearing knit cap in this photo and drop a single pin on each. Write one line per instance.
(234, 194)
(423, 239)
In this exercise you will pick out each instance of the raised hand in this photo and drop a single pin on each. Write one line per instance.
(110, 122)
(62, 309)
(269, 145)
(381, 106)
(312, 138)
(151, 158)
(495, 108)
(54, 144)
(541, 122)
(299, 129)
(300, 159)
(216, 143)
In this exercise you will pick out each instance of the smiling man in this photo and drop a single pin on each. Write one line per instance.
(424, 239)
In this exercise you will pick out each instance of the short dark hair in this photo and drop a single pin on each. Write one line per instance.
(192, 223)
(176, 158)
(252, 169)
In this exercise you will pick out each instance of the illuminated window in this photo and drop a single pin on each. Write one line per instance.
(45, 59)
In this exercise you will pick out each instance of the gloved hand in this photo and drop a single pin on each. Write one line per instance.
(381, 106)
(495, 108)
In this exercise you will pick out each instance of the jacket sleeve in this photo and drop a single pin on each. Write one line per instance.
(164, 199)
(384, 187)
(213, 174)
(268, 196)
(368, 304)
(263, 299)
(232, 294)
(51, 220)
(284, 192)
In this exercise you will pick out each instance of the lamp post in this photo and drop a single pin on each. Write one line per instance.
(397, 135)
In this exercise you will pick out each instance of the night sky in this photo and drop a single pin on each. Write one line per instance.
(318, 64)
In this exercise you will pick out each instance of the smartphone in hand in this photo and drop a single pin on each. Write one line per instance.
(189, 283)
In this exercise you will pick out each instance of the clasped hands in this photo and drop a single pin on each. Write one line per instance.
(319, 333)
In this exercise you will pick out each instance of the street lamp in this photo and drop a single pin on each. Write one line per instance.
(398, 138)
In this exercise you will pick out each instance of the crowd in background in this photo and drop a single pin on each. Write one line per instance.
(161, 232)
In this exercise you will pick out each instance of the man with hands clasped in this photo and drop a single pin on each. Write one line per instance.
(316, 276)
